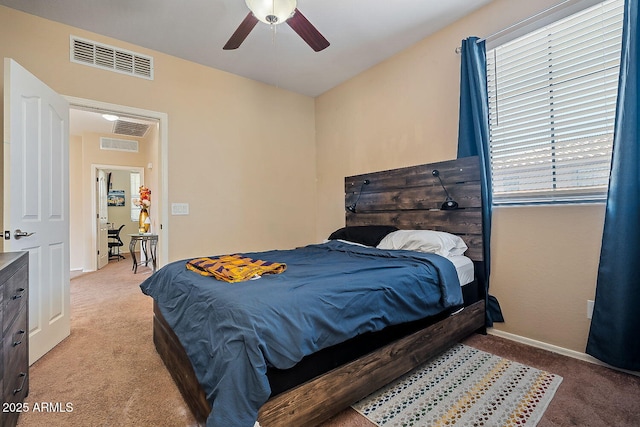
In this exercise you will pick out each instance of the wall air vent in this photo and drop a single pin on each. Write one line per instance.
(119, 144)
(87, 52)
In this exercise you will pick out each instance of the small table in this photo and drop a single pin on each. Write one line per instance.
(148, 246)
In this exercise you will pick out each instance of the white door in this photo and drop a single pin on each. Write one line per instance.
(36, 200)
(103, 218)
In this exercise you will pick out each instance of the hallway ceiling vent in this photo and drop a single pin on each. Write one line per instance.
(114, 144)
(123, 127)
(87, 52)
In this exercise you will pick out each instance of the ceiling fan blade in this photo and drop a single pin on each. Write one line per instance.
(241, 32)
(307, 31)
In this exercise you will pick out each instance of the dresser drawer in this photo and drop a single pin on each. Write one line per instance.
(15, 296)
(16, 380)
(14, 342)
(15, 345)
(1, 308)
(19, 383)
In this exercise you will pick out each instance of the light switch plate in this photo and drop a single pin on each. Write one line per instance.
(179, 208)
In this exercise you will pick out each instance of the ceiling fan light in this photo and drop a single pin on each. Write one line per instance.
(272, 11)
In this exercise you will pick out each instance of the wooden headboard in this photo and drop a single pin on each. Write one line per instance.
(411, 197)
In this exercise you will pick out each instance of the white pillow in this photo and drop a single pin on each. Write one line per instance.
(435, 242)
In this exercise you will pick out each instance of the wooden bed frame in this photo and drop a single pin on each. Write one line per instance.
(408, 198)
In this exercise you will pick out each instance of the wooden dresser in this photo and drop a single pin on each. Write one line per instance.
(14, 357)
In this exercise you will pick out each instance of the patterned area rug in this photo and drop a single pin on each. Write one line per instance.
(463, 387)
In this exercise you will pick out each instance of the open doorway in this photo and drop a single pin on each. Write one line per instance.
(118, 215)
(97, 144)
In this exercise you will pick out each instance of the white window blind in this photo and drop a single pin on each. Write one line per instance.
(552, 102)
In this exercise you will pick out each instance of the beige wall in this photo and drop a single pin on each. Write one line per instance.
(405, 112)
(241, 153)
(544, 267)
(76, 213)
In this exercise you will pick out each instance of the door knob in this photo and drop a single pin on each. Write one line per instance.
(19, 234)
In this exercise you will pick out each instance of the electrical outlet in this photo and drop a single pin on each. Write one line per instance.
(589, 309)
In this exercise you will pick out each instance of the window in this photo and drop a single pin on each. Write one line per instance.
(134, 179)
(552, 102)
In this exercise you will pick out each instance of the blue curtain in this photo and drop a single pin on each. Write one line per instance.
(614, 336)
(473, 140)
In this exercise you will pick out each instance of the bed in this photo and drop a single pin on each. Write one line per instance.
(315, 364)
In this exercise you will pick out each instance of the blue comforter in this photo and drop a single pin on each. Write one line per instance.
(329, 293)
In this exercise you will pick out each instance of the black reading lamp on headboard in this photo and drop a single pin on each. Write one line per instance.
(352, 207)
(449, 203)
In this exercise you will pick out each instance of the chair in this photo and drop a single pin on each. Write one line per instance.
(115, 242)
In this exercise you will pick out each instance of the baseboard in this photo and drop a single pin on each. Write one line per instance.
(556, 349)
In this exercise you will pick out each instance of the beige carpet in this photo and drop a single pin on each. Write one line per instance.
(108, 368)
(109, 372)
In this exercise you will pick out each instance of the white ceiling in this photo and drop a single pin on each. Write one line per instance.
(81, 121)
(362, 33)
(89, 121)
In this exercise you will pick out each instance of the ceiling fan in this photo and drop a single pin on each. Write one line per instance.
(274, 12)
